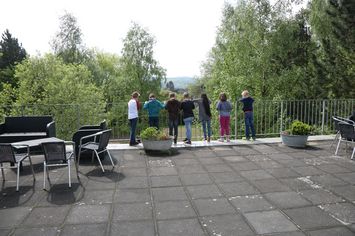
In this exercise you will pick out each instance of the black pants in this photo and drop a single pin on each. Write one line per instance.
(173, 128)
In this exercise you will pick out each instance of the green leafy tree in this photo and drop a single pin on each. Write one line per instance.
(50, 86)
(67, 43)
(11, 53)
(141, 71)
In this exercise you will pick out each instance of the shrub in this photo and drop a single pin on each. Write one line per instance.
(300, 128)
(152, 133)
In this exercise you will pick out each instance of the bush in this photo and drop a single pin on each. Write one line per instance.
(300, 128)
(152, 133)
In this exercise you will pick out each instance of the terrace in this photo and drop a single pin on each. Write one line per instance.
(261, 188)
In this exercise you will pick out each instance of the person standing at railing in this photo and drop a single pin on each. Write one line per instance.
(248, 114)
(153, 106)
(187, 107)
(204, 114)
(173, 108)
(224, 108)
(133, 107)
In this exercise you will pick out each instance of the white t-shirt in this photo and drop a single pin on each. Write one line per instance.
(132, 109)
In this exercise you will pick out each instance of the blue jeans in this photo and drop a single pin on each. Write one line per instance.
(173, 126)
(132, 131)
(206, 124)
(249, 124)
(153, 121)
(188, 122)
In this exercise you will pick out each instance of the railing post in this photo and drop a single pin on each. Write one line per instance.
(281, 116)
(323, 116)
(236, 119)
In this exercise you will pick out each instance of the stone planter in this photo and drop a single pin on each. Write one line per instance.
(157, 145)
(294, 140)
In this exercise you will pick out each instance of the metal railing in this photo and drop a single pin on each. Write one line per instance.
(270, 117)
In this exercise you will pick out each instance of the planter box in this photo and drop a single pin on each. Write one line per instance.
(160, 145)
(294, 140)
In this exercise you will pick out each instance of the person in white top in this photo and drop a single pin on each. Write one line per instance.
(133, 107)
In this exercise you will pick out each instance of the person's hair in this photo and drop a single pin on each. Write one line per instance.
(223, 97)
(186, 95)
(206, 104)
(172, 95)
(151, 95)
(135, 94)
(245, 93)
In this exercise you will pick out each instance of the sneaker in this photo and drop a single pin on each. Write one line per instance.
(133, 144)
(228, 140)
(221, 140)
(254, 138)
(188, 142)
(185, 139)
(175, 141)
(209, 139)
(247, 138)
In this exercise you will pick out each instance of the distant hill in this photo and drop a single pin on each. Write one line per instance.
(180, 82)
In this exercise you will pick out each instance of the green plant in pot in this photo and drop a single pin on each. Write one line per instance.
(297, 135)
(154, 139)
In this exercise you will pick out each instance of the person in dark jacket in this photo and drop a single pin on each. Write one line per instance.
(204, 115)
(187, 107)
(153, 106)
(173, 108)
(248, 114)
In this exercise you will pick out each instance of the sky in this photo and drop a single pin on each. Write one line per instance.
(184, 30)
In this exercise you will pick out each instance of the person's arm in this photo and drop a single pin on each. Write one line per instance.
(162, 105)
(145, 107)
(218, 106)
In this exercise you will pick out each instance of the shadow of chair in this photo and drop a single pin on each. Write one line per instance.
(8, 155)
(55, 154)
(98, 146)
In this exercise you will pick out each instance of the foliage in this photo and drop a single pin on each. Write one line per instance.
(49, 86)
(152, 133)
(11, 53)
(141, 71)
(299, 128)
(67, 43)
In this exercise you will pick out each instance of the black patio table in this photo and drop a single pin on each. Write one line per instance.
(36, 142)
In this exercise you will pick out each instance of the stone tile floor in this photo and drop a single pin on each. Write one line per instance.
(243, 190)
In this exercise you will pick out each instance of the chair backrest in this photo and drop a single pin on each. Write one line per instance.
(54, 151)
(103, 125)
(7, 153)
(347, 131)
(104, 139)
(338, 120)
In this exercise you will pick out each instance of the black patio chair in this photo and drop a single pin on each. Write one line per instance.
(55, 154)
(8, 155)
(99, 145)
(338, 120)
(347, 135)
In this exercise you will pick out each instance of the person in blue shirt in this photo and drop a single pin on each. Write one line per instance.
(153, 106)
(248, 114)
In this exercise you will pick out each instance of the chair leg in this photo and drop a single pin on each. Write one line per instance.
(336, 151)
(352, 155)
(18, 176)
(2, 172)
(335, 139)
(92, 157)
(78, 161)
(33, 172)
(44, 175)
(68, 161)
(113, 165)
(98, 158)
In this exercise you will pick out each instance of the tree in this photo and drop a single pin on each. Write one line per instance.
(141, 71)
(67, 43)
(11, 53)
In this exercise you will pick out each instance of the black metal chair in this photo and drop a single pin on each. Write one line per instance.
(8, 155)
(55, 154)
(347, 135)
(337, 120)
(99, 145)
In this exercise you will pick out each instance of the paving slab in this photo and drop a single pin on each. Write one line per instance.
(180, 227)
(344, 212)
(256, 174)
(270, 185)
(13, 216)
(45, 231)
(97, 197)
(336, 231)
(204, 191)
(132, 211)
(174, 210)
(250, 203)
(320, 196)
(88, 214)
(133, 182)
(285, 200)
(311, 217)
(228, 225)
(215, 206)
(131, 195)
(195, 179)
(46, 216)
(133, 228)
(226, 177)
(270, 222)
(238, 189)
(84, 229)
(165, 181)
(169, 194)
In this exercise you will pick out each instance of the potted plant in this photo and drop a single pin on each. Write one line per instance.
(156, 140)
(296, 136)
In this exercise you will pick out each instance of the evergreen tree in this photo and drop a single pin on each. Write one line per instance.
(11, 53)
